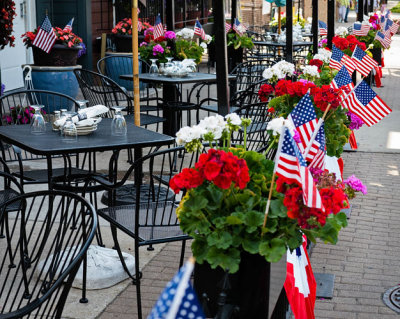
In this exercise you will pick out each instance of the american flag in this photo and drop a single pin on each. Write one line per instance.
(305, 120)
(227, 27)
(391, 27)
(323, 28)
(338, 59)
(158, 28)
(198, 29)
(68, 27)
(139, 26)
(384, 39)
(387, 14)
(238, 27)
(293, 168)
(360, 29)
(178, 300)
(368, 106)
(363, 61)
(319, 158)
(45, 36)
(343, 81)
(382, 21)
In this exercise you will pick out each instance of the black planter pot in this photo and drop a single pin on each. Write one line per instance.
(235, 57)
(60, 55)
(377, 55)
(123, 43)
(252, 292)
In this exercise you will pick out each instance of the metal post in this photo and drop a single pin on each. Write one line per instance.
(221, 57)
(360, 12)
(331, 22)
(289, 31)
(366, 7)
(170, 15)
(315, 25)
(233, 11)
(371, 6)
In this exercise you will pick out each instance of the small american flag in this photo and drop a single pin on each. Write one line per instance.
(237, 27)
(391, 27)
(360, 29)
(384, 39)
(293, 168)
(45, 36)
(139, 26)
(227, 27)
(387, 14)
(319, 158)
(338, 59)
(178, 300)
(323, 28)
(382, 21)
(342, 80)
(364, 62)
(368, 106)
(158, 28)
(198, 30)
(68, 27)
(305, 120)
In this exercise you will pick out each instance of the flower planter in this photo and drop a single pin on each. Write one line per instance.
(60, 55)
(123, 43)
(377, 55)
(255, 288)
(56, 79)
(235, 57)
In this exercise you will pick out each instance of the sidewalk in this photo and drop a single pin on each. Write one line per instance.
(366, 259)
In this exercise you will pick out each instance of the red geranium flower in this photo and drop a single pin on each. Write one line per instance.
(265, 91)
(317, 63)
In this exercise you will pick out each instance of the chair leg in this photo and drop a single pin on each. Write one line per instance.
(138, 292)
(2, 229)
(84, 277)
(135, 278)
(181, 260)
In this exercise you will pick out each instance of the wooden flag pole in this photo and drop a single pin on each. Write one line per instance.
(279, 20)
(135, 62)
(269, 199)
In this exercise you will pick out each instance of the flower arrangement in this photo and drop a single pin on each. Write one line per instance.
(7, 15)
(315, 79)
(239, 41)
(223, 207)
(67, 38)
(124, 27)
(20, 115)
(181, 45)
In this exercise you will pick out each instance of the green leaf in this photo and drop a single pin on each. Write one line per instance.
(234, 220)
(253, 220)
(220, 239)
(273, 250)
(277, 209)
(196, 203)
(251, 246)
(272, 224)
(226, 259)
(199, 248)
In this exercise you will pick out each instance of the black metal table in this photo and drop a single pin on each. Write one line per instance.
(282, 45)
(170, 93)
(51, 143)
(145, 119)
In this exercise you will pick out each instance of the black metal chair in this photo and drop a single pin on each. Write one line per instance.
(15, 109)
(46, 237)
(115, 65)
(150, 218)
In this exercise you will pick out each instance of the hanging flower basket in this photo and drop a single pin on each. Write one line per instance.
(60, 55)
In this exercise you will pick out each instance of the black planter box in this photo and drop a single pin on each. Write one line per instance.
(252, 292)
(123, 43)
(60, 55)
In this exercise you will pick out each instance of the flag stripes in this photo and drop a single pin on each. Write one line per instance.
(45, 37)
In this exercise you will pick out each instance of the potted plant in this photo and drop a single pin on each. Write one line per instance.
(122, 33)
(65, 52)
(223, 209)
(7, 15)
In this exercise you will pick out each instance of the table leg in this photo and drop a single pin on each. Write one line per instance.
(49, 172)
(169, 95)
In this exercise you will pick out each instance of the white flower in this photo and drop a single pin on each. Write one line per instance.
(184, 135)
(213, 124)
(185, 33)
(290, 126)
(203, 45)
(311, 70)
(233, 119)
(197, 132)
(341, 31)
(323, 55)
(208, 38)
(268, 73)
(276, 125)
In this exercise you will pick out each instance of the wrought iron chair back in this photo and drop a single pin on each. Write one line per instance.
(46, 237)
